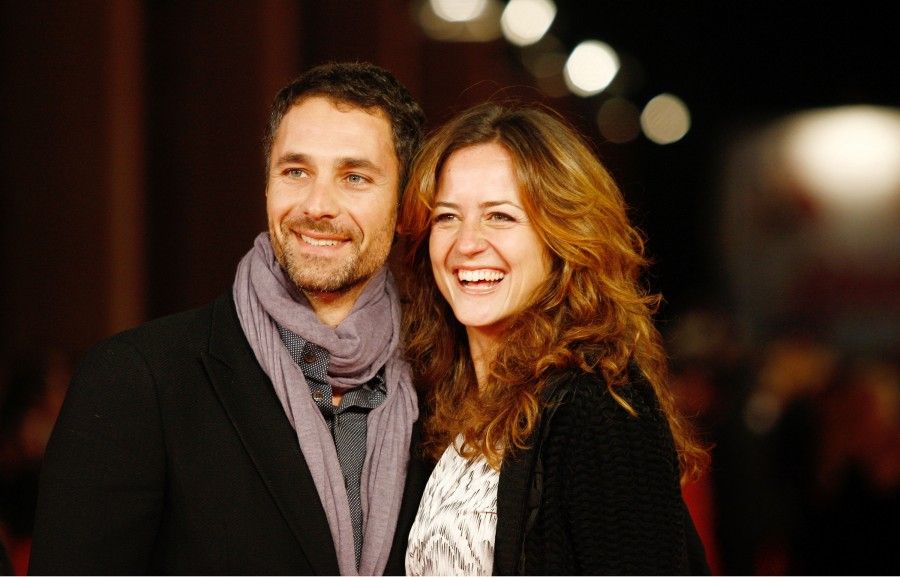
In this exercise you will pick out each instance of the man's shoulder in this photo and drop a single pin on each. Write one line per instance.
(170, 325)
(187, 331)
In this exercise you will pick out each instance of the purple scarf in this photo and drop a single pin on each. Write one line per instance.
(359, 346)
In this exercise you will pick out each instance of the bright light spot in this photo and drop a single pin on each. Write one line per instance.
(665, 119)
(483, 27)
(618, 120)
(591, 67)
(850, 153)
(458, 10)
(525, 22)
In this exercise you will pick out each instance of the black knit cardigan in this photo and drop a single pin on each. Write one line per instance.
(598, 492)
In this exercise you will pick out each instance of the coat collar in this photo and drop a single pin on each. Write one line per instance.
(254, 409)
(417, 474)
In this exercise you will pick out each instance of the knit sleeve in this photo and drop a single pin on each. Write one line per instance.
(612, 501)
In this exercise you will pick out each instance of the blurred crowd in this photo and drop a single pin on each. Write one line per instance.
(805, 476)
(32, 388)
(805, 438)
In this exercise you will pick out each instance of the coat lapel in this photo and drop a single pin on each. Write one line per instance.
(520, 488)
(417, 473)
(512, 507)
(257, 415)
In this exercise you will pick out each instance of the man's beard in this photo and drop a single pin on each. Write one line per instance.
(317, 274)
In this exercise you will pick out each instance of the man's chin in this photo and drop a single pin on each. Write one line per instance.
(324, 276)
(316, 277)
(323, 289)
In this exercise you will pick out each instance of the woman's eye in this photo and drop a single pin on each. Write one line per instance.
(444, 217)
(500, 217)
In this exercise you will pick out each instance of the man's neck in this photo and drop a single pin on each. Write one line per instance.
(333, 307)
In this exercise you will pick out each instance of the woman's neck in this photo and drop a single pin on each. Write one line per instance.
(483, 349)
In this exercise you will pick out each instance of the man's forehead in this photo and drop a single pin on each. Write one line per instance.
(317, 130)
(342, 105)
(319, 117)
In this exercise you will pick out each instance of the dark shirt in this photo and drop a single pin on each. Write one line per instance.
(347, 421)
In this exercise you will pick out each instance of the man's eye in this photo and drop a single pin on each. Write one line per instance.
(357, 179)
(295, 172)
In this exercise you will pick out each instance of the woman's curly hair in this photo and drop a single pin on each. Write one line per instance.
(591, 312)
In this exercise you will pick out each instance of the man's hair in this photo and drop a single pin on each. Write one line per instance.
(362, 85)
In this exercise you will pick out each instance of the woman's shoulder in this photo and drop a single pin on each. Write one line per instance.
(591, 389)
(582, 410)
(587, 422)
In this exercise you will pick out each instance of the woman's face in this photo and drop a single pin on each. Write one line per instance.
(486, 257)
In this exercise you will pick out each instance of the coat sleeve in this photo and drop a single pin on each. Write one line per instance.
(101, 486)
(616, 486)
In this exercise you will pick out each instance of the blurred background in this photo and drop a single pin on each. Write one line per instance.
(758, 146)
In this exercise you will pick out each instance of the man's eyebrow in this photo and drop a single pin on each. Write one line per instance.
(350, 163)
(292, 158)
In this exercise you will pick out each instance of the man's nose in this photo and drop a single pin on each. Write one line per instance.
(321, 200)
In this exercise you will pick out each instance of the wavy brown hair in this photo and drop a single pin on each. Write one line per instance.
(591, 313)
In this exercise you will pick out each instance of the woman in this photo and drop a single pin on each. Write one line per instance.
(557, 446)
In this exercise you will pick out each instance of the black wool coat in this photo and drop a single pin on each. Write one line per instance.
(598, 492)
(173, 455)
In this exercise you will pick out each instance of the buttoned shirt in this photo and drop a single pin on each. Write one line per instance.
(347, 420)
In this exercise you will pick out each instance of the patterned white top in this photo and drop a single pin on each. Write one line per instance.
(454, 530)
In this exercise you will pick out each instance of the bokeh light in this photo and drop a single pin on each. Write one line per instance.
(460, 20)
(619, 120)
(590, 68)
(525, 22)
(848, 155)
(458, 10)
(665, 119)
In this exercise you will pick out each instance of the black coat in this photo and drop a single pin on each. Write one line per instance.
(598, 493)
(173, 455)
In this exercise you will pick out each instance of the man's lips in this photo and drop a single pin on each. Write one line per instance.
(315, 241)
(320, 239)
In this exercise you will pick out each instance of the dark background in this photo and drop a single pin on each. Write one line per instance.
(131, 179)
(737, 65)
(131, 171)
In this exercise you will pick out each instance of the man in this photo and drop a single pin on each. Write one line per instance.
(270, 431)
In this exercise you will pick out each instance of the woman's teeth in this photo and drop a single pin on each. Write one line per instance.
(489, 275)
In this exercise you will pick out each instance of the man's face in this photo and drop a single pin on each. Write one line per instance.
(331, 195)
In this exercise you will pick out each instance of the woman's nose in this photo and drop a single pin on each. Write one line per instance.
(471, 238)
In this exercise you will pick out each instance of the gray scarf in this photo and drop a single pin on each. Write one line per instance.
(364, 342)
